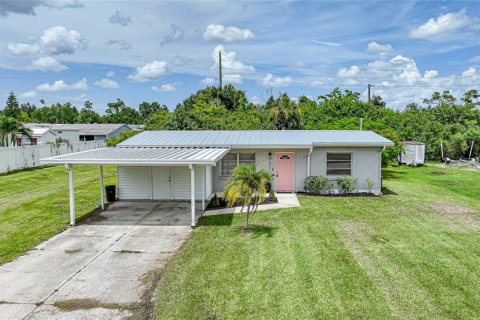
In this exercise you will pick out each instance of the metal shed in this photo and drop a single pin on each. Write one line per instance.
(413, 153)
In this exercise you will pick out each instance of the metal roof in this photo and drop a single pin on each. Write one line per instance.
(257, 138)
(142, 156)
(94, 129)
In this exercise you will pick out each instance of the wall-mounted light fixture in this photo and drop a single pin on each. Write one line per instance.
(270, 156)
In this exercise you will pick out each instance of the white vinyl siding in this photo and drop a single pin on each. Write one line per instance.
(181, 183)
(134, 183)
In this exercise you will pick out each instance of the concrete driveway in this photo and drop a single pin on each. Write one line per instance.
(105, 268)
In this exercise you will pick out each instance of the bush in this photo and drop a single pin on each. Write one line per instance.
(271, 196)
(112, 142)
(317, 184)
(347, 184)
(370, 184)
(215, 203)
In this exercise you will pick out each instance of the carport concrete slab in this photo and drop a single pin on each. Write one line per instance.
(15, 311)
(31, 278)
(52, 313)
(109, 266)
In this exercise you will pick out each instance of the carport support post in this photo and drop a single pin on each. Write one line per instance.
(102, 193)
(192, 192)
(72, 195)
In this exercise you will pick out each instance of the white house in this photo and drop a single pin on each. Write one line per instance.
(42, 134)
(191, 165)
(75, 132)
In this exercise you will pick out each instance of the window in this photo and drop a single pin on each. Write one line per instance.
(232, 160)
(339, 164)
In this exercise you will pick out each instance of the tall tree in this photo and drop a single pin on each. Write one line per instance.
(87, 114)
(148, 109)
(119, 112)
(12, 109)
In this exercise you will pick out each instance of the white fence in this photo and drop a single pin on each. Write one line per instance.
(14, 158)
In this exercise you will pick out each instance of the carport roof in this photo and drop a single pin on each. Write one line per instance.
(142, 156)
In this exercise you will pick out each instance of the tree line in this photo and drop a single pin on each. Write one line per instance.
(441, 117)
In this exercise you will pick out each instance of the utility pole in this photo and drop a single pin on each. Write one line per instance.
(220, 68)
(369, 96)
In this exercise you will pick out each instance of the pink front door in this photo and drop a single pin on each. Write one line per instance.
(284, 163)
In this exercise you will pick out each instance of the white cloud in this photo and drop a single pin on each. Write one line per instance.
(47, 64)
(232, 68)
(60, 40)
(348, 72)
(82, 97)
(20, 49)
(444, 24)
(28, 7)
(430, 74)
(270, 81)
(121, 19)
(107, 83)
(231, 78)
(327, 43)
(28, 94)
(379, 48)
(207, 81)
(110, 74)
(164, 88)
(149, 71)
(62, 4)
(60, 85)
(228, 34)
(175, 35)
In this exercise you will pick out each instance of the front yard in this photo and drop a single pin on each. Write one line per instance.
(34, 204)
(412, 253)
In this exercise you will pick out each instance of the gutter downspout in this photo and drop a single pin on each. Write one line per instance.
(308, 161)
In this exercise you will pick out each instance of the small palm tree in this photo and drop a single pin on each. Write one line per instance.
(247, 184)
(10, 129)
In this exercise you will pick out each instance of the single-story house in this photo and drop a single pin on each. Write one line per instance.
(192, 165)
(85, 131)
(42, 134)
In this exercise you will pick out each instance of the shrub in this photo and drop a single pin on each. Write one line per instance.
(317, 184)
(215, 203)
(347, 184)
(271, 195)
(370, 184)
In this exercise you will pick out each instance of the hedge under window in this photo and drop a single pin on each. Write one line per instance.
(339, 164)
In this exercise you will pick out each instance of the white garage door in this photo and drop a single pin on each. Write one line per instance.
(181, 182)
(159, 183)
(134, 183)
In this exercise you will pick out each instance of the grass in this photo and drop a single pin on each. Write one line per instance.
(34, 204)
(412, 253)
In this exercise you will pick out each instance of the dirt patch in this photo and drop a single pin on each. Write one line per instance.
(460, 218)
(73, 251)
(129, 251)
(146, 307)
(83, 304)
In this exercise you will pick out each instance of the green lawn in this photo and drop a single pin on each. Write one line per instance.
(34, 204)
(412, 253)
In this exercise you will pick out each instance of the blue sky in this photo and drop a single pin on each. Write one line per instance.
(73, 50)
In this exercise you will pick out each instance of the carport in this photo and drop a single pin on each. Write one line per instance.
(144, 173)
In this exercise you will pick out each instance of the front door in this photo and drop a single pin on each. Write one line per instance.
(161, 183)
(284, 164)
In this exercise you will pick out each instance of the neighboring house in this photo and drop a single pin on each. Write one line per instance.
(85, 132)
(181, 165)
(43, 134)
